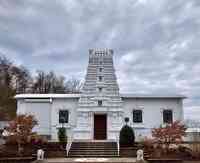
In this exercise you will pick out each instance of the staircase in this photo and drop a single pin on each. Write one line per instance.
(93, 149)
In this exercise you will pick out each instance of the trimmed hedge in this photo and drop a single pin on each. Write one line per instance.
(127, 136)
(62, 135)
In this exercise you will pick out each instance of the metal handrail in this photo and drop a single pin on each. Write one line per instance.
(118, 146)
(69, 143)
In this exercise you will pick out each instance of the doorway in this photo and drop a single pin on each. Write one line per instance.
(100, 126)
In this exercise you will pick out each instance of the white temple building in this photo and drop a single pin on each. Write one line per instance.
(98, 112)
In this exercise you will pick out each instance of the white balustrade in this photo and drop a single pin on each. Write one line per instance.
(118, 145)
(69, 143)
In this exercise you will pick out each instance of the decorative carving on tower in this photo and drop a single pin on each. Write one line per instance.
(100, 81)
(100, 92)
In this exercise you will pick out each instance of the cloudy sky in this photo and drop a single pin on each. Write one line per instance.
(156, 42)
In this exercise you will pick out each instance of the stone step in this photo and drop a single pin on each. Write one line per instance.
(95, 144)
(93, 152)
(89, 156)
(90, 150)
(96, 152)
(76, 146)
(93, 149)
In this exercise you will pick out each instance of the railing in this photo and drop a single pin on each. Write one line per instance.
(194, 146)
(118, 146)
(69, 143)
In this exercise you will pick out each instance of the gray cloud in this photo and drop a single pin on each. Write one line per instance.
(156, 43)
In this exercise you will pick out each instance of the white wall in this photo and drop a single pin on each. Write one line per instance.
(41, 111)
(47, 113)
(69, 104)
(152, 110)
(192, 136)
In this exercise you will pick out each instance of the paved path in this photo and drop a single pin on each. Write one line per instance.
(94, 160)
(89, 160)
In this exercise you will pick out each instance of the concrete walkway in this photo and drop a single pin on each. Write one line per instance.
(95, 160)
(88, 160)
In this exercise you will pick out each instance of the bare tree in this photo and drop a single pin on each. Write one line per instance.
(73, 85)
(5, 71)
(38, 83)
(21, 79)
(7, 102)
(12, 76)
(48, 83)
(59, 85)
(17, 79)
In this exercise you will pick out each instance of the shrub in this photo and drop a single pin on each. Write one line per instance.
(148, 143)
(170, 134)
(20, 130)
(37, 141)
(127, 136)
(62, 137)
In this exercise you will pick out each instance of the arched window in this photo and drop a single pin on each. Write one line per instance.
(63, 116)
(137, 116)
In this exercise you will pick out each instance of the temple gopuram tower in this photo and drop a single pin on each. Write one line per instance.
(99, 113)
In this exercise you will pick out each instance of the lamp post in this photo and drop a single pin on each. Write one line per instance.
(126, 119)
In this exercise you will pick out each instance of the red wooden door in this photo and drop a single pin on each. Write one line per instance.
(100, 126)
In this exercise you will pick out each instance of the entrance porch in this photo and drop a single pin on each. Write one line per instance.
(99, 125)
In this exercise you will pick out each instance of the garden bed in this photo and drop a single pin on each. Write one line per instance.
(128, 151)
(164, 160)
(52, 149)
(17, 159)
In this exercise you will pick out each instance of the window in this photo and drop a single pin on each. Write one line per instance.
(100, 89)
(63, 116)
(100, 62)
(100, 103)
(137, 116)
(100, 78)
(167, 116)
(100, 69)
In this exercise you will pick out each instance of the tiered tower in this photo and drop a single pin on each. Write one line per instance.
(100, 95)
